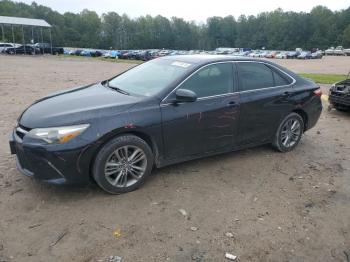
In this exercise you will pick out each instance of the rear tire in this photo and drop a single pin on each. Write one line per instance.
(123, 164)
(289, 133)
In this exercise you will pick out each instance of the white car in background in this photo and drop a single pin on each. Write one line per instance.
(335, 51)
(329, 51)
(3, 46)
(339, 50)
(347, 52)
(282, 55)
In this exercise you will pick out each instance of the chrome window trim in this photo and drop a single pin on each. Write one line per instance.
(226, 94)
(204, 98)
(265, 88)
(204, 66)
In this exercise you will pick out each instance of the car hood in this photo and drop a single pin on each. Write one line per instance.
(76, 106)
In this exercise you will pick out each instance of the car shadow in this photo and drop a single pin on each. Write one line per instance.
(188, 168)
(193, 166)
(338, 113)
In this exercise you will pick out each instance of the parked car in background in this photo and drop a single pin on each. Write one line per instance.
(305, 55)
(263, 54)
(339, 50)
(85, 53)
(317, 54)
(96, 53)
(22, 49)
(162, 112)
(164, 52)
(255, 54)
(282, 55)
(77, 52)
(45, 48)
(148, 54)
(272, 54)
(143, 55)
(154, 54)
(112, 54)
(3, 46)
(339, 95)
(292, 54)
(329, 51)
(125, 55)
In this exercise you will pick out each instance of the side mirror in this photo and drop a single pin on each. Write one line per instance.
(185, 95)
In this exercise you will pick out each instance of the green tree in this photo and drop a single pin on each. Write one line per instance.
(320, 28)
(346, 37)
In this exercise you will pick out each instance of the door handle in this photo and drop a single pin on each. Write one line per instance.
(231, 104)
(287, 93)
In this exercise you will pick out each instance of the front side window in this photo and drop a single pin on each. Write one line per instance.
(254, 76)
(216, 79)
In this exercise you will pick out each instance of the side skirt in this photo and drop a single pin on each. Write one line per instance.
(167, 162)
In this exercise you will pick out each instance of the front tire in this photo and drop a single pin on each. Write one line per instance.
(123, 164)
(289, 133)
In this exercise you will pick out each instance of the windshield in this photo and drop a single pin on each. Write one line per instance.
(151, 77)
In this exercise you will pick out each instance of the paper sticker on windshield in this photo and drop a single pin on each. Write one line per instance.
(182, 64)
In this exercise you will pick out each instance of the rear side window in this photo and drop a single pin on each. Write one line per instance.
(254, 76)
(258, 75)
(216, 79)
(281, 79)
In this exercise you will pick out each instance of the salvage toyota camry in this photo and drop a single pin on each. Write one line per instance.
(165, 111)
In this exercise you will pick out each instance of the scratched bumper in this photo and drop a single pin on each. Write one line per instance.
(53, 167)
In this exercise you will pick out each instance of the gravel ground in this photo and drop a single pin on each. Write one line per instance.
(326, 65)
(257, 204)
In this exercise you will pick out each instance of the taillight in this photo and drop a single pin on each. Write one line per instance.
(318, 92)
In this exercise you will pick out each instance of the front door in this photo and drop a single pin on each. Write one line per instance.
(208, 124)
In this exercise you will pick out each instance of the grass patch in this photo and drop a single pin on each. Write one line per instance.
(324, 78)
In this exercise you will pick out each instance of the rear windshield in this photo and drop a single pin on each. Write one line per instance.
(151, 77)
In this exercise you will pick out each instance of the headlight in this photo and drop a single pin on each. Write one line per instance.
(57, 135)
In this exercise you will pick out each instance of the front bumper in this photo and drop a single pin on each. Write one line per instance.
(49, 166)
(337, 98)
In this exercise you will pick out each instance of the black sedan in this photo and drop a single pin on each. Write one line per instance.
(165, 111)
(23, 49)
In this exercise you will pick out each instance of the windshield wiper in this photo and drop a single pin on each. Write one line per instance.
(106, 83)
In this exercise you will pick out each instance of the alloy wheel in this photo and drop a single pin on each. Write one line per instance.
(125, 166)
(290, 133)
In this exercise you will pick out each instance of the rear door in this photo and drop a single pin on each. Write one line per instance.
(208, 124)
(264, 100)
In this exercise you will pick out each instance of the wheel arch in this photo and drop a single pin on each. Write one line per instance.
(115, 133)
(304, 116)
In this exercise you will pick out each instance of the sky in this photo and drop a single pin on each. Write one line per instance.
(190, 10)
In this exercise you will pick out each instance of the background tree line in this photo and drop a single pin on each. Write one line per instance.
(321, 28)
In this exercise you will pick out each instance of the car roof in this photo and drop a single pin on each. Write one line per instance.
(201, 60)
(206, 59)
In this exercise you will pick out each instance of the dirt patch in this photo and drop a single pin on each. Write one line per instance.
(257, 204)
(327, 65)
